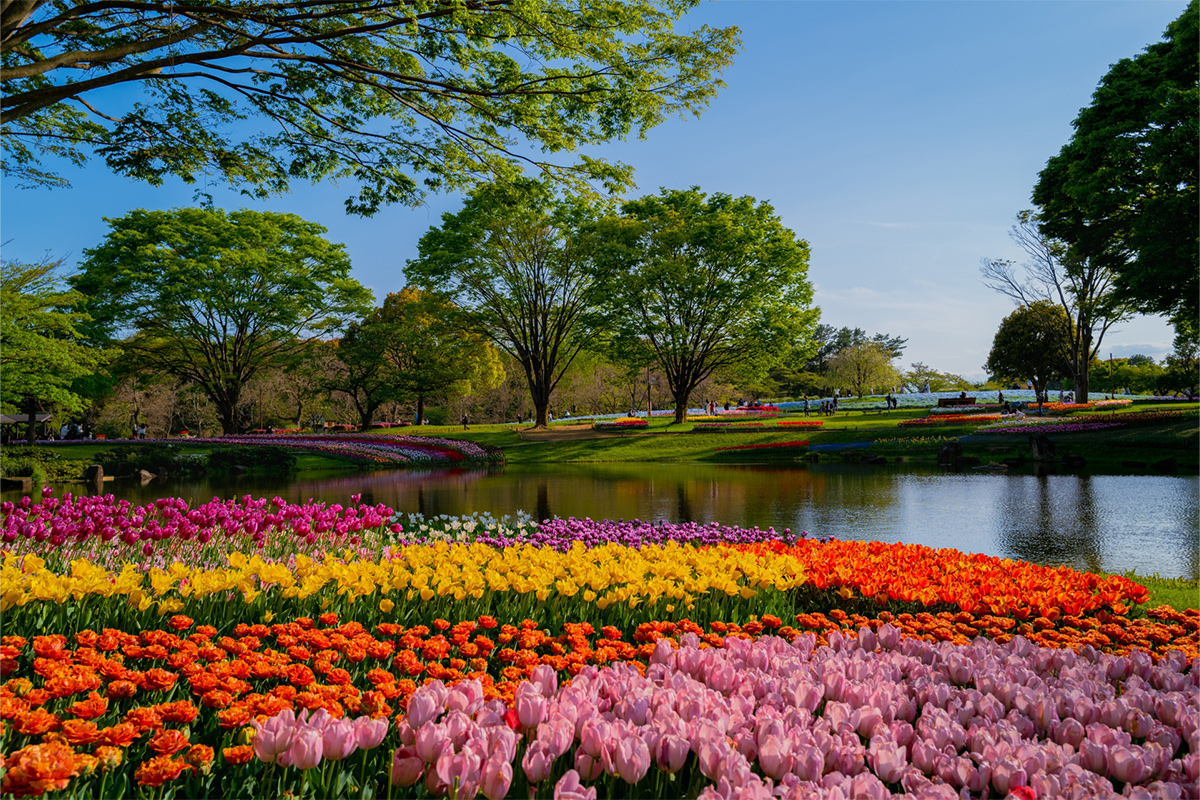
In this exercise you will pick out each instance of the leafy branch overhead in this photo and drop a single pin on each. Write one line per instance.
(399, 97)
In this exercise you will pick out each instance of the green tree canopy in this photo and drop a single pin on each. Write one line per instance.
(517, 259)
(399, 98)
(416, 347)
(705, 283)
(1064, 276)
(1030, 345)
(862, 367)
(42, 354)
(1123, 190)
(922, 373)
(215, 298)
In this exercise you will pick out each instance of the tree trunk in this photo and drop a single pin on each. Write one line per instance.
(227, 413)
(420, 408)
(540, 407)
(1081, 387)
(31, 428)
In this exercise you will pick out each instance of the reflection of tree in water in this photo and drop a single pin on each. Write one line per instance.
(543, 501)
(1051, 519)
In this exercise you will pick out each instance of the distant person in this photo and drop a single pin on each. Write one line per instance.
(926, 389)
(141, 431)
(464, 422)
(1001, 398)
(806, 406)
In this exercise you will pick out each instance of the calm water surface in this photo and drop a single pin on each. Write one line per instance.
(1105, 522)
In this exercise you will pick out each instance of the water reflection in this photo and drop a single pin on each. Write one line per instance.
(1112, 523)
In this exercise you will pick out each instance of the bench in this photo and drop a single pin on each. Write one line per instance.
(950, 402)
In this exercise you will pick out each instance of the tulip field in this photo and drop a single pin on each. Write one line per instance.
(255, 648)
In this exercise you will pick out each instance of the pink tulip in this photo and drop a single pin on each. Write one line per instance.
(558, 734)
(887, 760)
(495, 779)
(339, 739)
(537, 762)
(430, 740)
(530, 704)
(422, 708)
(1125, 765)
(306, 749)
(370, 732)
(632, 758)
(459, 771)
(406, 767)
(545, 678)
(587, 766)
(569, 788)
(275, 736)
(775, 758)
(1007, 774)
(670, 753)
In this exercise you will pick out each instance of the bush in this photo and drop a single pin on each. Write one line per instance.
(155, 457)
(265, 456)
(39, 463)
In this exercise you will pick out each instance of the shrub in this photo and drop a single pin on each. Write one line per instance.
(152, 457)
(265, 456)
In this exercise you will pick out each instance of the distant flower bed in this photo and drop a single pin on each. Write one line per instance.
(1046, 426)
(727, 427)
(1111, 403)
(754, 410)
(966, 410)
(947, 419)
(381, 450)
(764, 446)
(1060, 407)
(620, 424)
(801, 423)
(1164, 399)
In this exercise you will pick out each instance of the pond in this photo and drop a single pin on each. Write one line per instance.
(1102, 522)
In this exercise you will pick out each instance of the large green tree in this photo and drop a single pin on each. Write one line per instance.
(397, 97)
(1122, 191)
(414, 347)
(1032, 342)
(704, 283)
(42, 354)
(862, 367)
(215, 298)
(517, 258)
(1064, 276)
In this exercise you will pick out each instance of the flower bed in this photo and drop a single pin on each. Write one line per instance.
(778, 664)
(1046, 426)
(381, 450)
(948, 419)
(966, 410)
(727, 427)
(765, 446)
(621, 424)
(800, 423)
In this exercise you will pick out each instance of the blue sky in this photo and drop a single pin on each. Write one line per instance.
(898, 138)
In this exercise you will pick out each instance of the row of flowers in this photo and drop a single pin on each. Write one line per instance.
(1046, 426)
(766, 446)
(621, 424)
(381, 450)
(948, 419)
(728, 427)
(864, 710)
(108, 533)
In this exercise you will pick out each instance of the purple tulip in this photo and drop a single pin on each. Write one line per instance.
(275, 736)
(370, 732)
